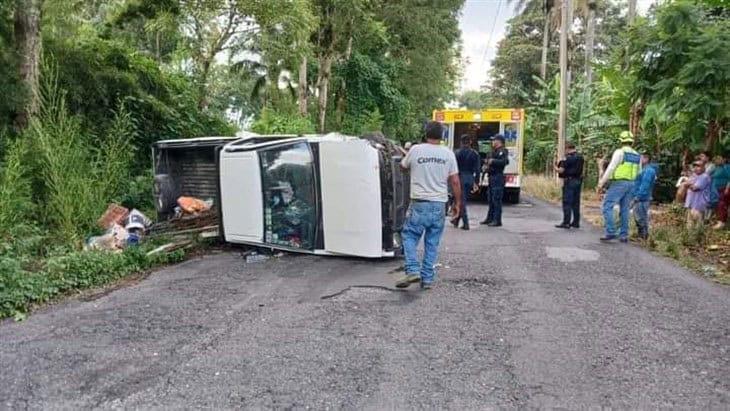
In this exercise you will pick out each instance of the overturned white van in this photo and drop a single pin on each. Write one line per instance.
(328, 195)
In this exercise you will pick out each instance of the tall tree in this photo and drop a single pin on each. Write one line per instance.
(214, 28)
(28, 47)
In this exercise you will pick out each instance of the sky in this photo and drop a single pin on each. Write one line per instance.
(483, 24)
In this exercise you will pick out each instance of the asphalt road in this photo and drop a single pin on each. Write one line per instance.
(522, 316)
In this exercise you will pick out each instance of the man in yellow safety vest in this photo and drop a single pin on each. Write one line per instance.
(619, 176)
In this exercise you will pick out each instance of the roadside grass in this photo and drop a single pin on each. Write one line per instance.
(26, 282)
(702, 250)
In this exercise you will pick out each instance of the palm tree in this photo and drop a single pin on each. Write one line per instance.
(551, 8)
(549, 15)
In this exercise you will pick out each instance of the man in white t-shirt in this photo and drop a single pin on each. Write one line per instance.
(432, 167)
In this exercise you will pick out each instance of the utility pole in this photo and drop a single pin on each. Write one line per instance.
(562, 119)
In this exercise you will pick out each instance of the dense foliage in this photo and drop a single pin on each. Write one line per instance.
(665, 77)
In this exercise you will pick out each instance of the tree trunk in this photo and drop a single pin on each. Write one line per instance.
(326, 44)
(323, 83)
(545, 46)
(157, 47)
(632, 12)
(712, 135)
(28, 46)
(590, 36)
(203, 84)
(342, 93)
(303, 87)
(637, 112)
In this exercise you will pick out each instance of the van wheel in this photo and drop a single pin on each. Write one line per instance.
(165, 194)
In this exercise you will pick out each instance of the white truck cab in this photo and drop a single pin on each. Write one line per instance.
(322, 194)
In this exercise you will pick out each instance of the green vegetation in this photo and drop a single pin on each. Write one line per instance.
(664, 77)
(24, 283)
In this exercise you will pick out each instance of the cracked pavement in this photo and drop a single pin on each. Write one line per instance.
(522, 316)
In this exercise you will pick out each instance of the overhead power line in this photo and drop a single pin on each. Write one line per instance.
(491, 33)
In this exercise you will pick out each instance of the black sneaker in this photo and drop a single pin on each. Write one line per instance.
(608, 238)
(575, 225)
(407, 280)
(493, 224)
(563, 225)
(465, 228)
(485, 222)
(624, 240)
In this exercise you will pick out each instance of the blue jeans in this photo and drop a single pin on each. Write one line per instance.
(424, 219)
(619, 192)
(467, 183)
(641, 215)
(496, 192)
(571, 201)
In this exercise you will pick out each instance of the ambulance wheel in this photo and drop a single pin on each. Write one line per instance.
(512, 196)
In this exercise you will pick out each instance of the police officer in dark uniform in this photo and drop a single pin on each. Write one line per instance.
(571, 171)
(469, 167)
(496, 162)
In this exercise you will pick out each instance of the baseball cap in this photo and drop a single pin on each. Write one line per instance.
(626, 137)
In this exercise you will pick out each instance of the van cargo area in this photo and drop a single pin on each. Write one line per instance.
(185, 168)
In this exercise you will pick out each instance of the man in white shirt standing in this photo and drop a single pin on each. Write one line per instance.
(432, 167)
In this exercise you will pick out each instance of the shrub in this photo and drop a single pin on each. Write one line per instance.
(364, 123)
(16, 205)
(275, 122)
(75, 178)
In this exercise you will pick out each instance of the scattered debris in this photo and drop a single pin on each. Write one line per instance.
(114, 214)
(192, 205)
(170, 247)
(709, 271)
(137, 221)
(205, 221)
(255, 257)
(115, 239)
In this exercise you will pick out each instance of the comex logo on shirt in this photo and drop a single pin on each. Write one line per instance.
(427, 160)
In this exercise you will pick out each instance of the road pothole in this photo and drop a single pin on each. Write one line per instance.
(571, 254)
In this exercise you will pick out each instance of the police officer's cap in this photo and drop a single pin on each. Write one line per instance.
(499, 137)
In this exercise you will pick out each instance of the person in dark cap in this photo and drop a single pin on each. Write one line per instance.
(469, 167)
(570, 169)
(495, 163)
